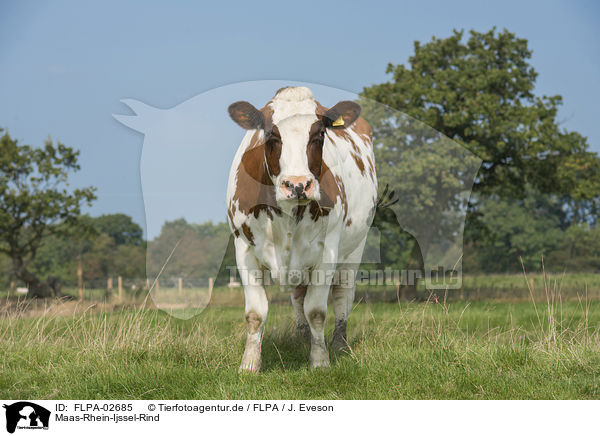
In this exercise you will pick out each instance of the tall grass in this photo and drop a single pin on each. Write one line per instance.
(435, 349)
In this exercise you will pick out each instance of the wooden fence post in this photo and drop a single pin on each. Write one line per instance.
(211, 284)
(109, 284)
(148, 284)
(120, 285)
(80, 279)
(180, 285)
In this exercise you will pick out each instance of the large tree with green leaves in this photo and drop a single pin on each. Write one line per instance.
(37, 202)
(480, 93)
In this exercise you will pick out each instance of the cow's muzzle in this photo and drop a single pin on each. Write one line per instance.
(297, 188)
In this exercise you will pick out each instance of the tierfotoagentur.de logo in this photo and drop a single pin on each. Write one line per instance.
(26, 415)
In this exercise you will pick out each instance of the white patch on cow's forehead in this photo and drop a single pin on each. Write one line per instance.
(293, 101)
(294, 111)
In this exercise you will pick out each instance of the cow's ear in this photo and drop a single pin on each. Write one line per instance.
(342, 115)
(246, 115)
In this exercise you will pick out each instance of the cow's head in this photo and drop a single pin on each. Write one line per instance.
(294, 127)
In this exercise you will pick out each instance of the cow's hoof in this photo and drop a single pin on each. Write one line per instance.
(250, 367)
(339, 345)
(303, 332)
(319, 358)
(319, 364)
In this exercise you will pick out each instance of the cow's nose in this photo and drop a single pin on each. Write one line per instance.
(299, 188)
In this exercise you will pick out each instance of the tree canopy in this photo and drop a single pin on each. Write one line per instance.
(37, 203)
(480, 93)
(536, 182)
(121, 228)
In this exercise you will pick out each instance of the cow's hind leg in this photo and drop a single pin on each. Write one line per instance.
(256, 306)
(302, 327)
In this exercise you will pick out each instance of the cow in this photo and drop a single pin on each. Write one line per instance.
(301, 196)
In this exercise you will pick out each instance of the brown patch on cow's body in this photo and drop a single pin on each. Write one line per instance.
(254, 191)
(314, 148)
(353, 145)
(371, 168)
(332, 187)
(340, 134)
(273, 152)
(299, 212)
(248, 233)
(343, 197)
(359, 163)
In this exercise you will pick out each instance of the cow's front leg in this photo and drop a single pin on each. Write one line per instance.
(256, 315)
(315, 310)
(302, 327)
(343, 296)
(256, 306)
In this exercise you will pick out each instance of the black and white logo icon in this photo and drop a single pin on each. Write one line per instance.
(26, 415)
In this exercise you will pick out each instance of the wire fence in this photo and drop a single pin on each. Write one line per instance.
(474, 288)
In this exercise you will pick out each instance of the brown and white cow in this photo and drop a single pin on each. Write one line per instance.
(301, 196)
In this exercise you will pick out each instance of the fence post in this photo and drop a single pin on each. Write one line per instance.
(211, 283)
(180, 285)
(109, 284)
(80, 279)
(12, 288)
(148, 283)
(120, 284)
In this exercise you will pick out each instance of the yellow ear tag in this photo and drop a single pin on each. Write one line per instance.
(338, 122)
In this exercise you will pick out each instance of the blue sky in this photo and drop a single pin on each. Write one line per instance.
(65, 66)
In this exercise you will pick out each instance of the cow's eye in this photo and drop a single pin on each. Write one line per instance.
(273, 140)
(318, 138)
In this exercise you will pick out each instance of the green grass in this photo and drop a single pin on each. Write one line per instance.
(578, 281)
(483, 350)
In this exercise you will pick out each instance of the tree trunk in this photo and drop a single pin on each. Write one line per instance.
(37, 288)
(408, 291)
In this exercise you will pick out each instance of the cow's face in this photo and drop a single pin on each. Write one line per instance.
(294, 135)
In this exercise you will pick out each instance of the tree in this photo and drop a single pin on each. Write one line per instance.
(121, 228)
(524, 230)
(480, 93)
(195, 251)
(36, 203)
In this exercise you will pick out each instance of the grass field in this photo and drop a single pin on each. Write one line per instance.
(480, 350)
